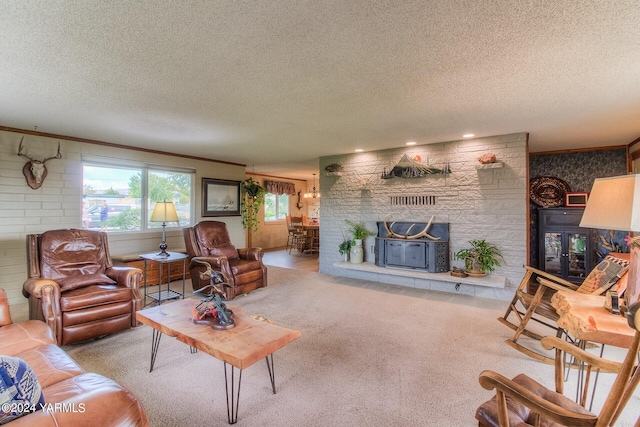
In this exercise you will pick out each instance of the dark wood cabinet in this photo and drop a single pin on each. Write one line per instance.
(565, 248)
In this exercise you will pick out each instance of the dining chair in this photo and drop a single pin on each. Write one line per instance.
(297, 237)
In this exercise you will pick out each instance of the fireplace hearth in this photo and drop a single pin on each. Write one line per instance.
(420, 254)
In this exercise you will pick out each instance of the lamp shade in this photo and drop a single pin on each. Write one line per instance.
(614, 204)
(164, 212)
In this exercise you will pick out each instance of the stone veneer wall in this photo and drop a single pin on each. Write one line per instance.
(478, 203)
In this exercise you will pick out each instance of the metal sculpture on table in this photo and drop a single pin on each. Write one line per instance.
(212, 310)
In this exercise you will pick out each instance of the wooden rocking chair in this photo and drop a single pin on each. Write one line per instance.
(523, 401)
(532, 299)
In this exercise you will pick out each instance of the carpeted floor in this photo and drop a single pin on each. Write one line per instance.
(370, 355)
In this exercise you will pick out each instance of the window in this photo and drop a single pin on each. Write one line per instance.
(276, 207)
(122, 198)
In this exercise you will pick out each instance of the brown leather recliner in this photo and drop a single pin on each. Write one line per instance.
(242, 269)
(74, 287)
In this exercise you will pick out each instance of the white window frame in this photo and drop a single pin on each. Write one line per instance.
(145, 169)
(284, 218)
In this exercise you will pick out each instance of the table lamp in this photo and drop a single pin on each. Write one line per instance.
(614, 204)
(164, 212)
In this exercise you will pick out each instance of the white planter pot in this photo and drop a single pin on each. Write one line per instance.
(357, 253)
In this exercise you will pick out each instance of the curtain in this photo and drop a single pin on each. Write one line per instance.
(279, 187)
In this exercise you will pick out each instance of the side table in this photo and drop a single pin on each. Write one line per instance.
(586, 319)
(169, 293)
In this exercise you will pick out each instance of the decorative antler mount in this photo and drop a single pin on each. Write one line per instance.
(423, 233)
(34, 170)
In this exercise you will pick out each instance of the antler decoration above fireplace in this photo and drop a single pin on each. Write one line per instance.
(423, 233)
(34, 170)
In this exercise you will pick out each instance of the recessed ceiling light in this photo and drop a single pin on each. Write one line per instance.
(411, 143)
(468, 135)
(359, 150)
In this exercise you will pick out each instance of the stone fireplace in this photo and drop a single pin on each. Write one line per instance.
(475, 201)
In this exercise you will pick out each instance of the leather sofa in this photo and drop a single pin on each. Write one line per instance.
(72, 397)
(73, 286)
(242, 269)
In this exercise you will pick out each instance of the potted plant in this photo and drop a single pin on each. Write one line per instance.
(252, 198)
(358, 232)
(481, 258)
(344, 247)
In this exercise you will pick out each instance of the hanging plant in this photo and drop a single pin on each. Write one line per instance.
(252, 198)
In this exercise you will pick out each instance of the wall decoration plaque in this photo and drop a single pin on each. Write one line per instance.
(220, 197)
(547, 191)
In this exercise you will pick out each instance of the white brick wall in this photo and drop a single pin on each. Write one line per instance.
(486, 204)
(58, 202)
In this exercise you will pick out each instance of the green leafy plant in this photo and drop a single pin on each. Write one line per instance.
(252, 198)
(358, 231)
(344, 247)
(481, 256)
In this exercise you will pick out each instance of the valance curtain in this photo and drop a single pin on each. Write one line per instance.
(279, 187)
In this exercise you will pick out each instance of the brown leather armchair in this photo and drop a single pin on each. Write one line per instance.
(242, 269)
(74, 287)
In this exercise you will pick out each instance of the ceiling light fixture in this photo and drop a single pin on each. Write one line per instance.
(468, 135)
(359, 150)
(411, 143)
(314, 194)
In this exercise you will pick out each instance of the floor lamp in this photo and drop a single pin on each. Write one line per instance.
(614, 204)
(164, 212)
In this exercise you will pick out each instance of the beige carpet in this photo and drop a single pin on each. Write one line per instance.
(370, 355)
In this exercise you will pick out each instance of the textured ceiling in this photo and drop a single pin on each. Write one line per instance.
(277, 84)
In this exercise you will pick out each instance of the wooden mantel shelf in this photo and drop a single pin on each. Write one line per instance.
(490, 280)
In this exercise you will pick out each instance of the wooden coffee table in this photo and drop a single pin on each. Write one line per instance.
(240, 347)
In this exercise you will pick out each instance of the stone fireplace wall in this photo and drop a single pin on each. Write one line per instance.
(479, 202)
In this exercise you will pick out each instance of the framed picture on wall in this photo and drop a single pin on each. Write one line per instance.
(575, 199)
(220, 197)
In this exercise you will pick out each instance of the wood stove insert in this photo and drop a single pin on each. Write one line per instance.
(420, 254)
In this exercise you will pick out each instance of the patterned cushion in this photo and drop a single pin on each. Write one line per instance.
(604, 275)
(20, 391)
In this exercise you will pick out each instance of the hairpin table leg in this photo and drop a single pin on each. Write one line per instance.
(155, 343)
(232, 404)
(272, 372)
